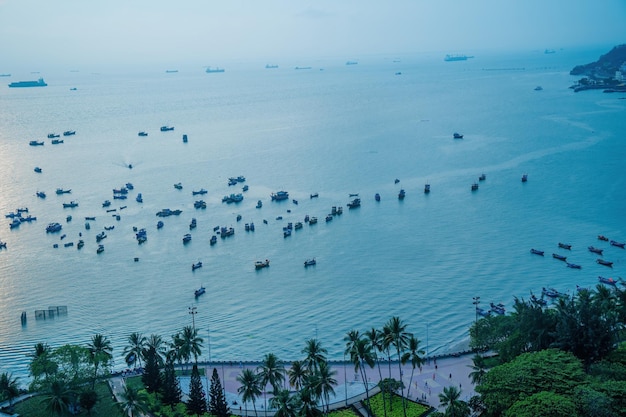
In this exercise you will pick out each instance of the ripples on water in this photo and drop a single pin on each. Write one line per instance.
(338, 131)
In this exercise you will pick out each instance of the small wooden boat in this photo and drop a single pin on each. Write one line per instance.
(377, 197)
(550, 292)
(559, 257)
(199, 291)
(609, 281)
(537, 301)
(536, 252)
(310, 262)
(497, 308)
(401, 194)
(474, 187)
(565, 246)
(605, 263)
(426, 188)
(456, 135)
(595, 250)
(482, 177)
(602, 237)
(525, 178)
(196, 266)
(618, 244)
(262, 264)
(573, 266)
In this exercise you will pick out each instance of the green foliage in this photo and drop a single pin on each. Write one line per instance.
(197, 398)
(344, 412)
(543, 404)
(548, 370)
(394, 407)
(171, 392)
(105, 406)
(151, 377)
(217, 400)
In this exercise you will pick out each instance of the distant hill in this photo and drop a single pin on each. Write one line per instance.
(604, 67)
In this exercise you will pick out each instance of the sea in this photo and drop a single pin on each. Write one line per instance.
(379, 125)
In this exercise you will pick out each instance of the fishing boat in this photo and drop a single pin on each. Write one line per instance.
(63, 191)
(178, 186)
(201, 191)
(166, 128)
(196, 266)
(199, 291)
(71, 204)
(100, 249)
(53, 227)
(259, 204)
(279, 196)
(550, 292)
(565, 246)
(524, 177)
(618, 244)
(456, 135)
(41, 194)
(604, 262)
(187, 238)
(609, 281)
(310, 262)
(57, 141)
(139, 198)
(536, 252)
(262, 264)
(401, 194)
(159, 224)
(200, 204)
(69, 133)
(497, 308)
(482, 177)
(602, 237)
(142, 133)
(559, 257)
(377, 197)
(353, 204)
(213, 240)
(35, 143)
(37, 170)
(595, 250)
(314, 195)
(573, 266)
(426, 188)
(474, 186)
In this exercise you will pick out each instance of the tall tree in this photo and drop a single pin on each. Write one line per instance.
(416, 357)
(315, 354)
(249, 388)
(155, 342)
(479, 369)
(134, 349)
(88, 399)
(284, 404)
(324, 383)
(9, 387)
(217, 400)
(308, 404)
(361, 354)
(271, 371)
(399, 338)
(151, 376)
(41, 363)
(450, 399)
(297, 374)
(197, 398)
(190, 343)
(100, 352)
(134, 401)
(57, 398)
(170, 389)
(376, 339)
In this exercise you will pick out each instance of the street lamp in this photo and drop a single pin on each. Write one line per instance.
(427, 343)
(476, 302)
(193, 311)
(345, 378)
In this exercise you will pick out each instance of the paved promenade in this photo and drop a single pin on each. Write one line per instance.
(426, 385)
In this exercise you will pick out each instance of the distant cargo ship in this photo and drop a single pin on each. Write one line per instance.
(455, 58)
(39, 83)
(171, 71)
(217, 69)
(271, 66)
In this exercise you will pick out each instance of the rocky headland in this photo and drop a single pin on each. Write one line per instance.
(608, 73)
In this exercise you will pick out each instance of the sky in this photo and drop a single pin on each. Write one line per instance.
(94, 33)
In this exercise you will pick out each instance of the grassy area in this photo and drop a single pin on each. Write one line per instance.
(394, 409)
(344, 412)
(34, 407)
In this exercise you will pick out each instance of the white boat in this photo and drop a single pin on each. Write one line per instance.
(262, 264)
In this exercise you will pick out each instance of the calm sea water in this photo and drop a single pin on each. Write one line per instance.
(334, 130)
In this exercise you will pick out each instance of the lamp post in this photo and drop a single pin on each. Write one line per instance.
(476, 302)
(345, 378)
(209, 340)
(427, 343)
(193, 311)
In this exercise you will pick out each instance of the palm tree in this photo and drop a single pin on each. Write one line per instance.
(9, 387)
(271, 371)
(376, 339)
(190, 343)
(478, 369)
(315, 354)
(455, 407)
(324, 382)
(134, 401)
(134, 349)
(100, 353)
(58, 398)
(399, 338)
(249, 388)
(360, 351)
(308, 405)
(416, 356)
(284, 404)
(40, 361)
(155, 341)
(297, 374)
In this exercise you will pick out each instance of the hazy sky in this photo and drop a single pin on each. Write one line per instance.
(210, 32)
